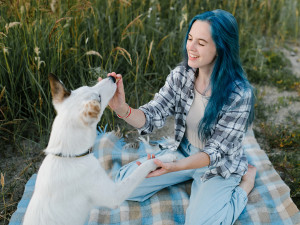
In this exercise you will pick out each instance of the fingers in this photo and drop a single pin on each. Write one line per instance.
(158, 163)
(167, 167)
(113, 74)
(119, 82)
(163, 168)
(157, 172)
(149, 156)
(117, 76)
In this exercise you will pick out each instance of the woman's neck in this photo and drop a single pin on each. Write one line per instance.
(202, 82)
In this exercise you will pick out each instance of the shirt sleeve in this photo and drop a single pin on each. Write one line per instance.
(162, 106)
(229, 131)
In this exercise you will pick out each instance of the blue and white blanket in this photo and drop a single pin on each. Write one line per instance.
(269, 202)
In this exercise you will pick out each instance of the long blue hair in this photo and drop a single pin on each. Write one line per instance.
(227, 69)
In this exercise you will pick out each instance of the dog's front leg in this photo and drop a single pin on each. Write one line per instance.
(127, 186)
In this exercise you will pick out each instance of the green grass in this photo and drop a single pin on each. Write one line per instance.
(141, 39)
(282, 143)
(271, 68)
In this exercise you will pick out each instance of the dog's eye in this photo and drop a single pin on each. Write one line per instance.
(99, 98)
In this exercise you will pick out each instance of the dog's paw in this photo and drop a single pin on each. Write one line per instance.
(91, 112)
(167, 158)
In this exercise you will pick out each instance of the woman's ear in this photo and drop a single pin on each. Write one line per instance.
(58, 90)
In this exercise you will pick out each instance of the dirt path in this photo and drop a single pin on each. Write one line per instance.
(283, 99)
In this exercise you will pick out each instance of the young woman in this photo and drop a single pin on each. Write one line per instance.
(212, 102)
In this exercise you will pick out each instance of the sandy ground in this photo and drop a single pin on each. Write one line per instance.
(292, 52)
(271, 95)
(283, 106)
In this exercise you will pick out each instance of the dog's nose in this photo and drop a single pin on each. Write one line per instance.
(112, 78)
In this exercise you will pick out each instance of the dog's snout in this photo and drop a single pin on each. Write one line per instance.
(112, 78)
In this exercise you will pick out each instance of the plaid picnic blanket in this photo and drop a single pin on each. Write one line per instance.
(269, 202)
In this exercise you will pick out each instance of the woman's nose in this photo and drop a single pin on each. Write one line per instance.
(191, 46)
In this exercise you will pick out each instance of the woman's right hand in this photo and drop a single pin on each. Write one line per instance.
(118, 103)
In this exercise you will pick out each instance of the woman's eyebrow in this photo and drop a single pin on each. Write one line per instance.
(200, 39)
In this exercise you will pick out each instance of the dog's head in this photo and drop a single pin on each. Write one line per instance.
(85, 104)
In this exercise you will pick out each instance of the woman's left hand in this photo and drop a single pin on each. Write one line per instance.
(162, 168)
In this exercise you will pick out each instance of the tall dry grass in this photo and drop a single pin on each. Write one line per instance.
(81, 40)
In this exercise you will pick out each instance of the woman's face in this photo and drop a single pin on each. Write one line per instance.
(200, 46)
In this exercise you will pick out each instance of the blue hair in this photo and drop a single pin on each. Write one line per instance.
(227, 69)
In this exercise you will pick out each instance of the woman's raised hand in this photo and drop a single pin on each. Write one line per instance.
(118, 103)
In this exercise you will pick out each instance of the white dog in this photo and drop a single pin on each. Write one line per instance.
(71, 181)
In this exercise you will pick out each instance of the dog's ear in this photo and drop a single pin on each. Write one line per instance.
(58, 90)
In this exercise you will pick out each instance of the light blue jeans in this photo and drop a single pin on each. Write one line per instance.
(215, 201)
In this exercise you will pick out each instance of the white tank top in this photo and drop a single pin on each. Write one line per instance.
(194, 116)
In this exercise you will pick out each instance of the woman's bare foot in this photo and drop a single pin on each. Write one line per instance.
(248, 179)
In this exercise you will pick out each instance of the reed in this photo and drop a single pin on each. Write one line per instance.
(140, 39)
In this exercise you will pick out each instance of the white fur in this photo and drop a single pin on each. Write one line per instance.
(67, 188)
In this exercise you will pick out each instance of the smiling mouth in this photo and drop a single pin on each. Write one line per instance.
(192, 56)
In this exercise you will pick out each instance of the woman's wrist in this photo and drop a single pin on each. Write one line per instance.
(177, 166)
(124, 111)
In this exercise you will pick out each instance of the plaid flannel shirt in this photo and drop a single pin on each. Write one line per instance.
(224, 147)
